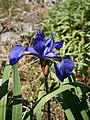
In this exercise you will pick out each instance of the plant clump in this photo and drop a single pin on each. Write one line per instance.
(70, 22)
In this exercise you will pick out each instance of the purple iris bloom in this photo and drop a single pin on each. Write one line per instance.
(16, 54)
(64, 68)
(43, 48)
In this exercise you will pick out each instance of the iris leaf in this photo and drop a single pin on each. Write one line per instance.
(40, 95)
(17, 98)
(3, 92)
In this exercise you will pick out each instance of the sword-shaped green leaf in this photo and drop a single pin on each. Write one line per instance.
(40, 95)
(17, 98)
(3, 92)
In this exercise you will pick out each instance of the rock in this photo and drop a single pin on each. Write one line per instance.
(11, 37)
(27, 22)
(29, 17)
(21, 27)
(16, 26)
(27, 27)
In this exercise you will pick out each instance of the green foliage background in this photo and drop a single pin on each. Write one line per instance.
(70, 22)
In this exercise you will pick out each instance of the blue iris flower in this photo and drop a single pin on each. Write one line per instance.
(64, 68)
(43, 48)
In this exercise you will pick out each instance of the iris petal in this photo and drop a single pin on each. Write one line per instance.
(58, 45)
(32, 51)
(64, 68)
(49, 45)
(39, 47)
(40, 33)
(39, 37)
(51, 55)
(16, 54)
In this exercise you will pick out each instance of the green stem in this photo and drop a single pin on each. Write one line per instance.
(47, 91)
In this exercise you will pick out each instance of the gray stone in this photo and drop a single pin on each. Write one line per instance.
(21, 27)
(11, 37)
(29, 17)
(16, 26)
(27, 27)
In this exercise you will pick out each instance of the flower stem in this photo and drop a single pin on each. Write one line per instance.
(47, 91)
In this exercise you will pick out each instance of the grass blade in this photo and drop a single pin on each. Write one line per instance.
(40, 94)
(41, 90)
(76, 103)
(66, 108)
(17, 98)
(47, 97)
(3, 92)
(84, 115)
(50, 95)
